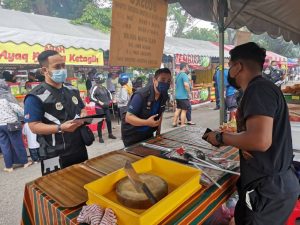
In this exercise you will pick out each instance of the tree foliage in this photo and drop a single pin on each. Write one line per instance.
(99, 18)
(277, 45)
(202, 34)
(69, 9)
(179, 20)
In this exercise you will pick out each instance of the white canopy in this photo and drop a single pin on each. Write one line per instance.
(43, 30)
(276, 17)
(32, 29)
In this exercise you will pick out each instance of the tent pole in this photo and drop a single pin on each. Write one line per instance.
(221, 92)
(221, 59)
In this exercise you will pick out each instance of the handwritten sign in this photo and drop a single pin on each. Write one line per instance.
(242, 37)
(138, 33)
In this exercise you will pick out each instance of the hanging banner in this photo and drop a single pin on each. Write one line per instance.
(194, 61)
(11, 53)
(138, 33)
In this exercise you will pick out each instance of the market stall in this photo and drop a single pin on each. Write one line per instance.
(39, 206)
(23, 39)
(198, 55)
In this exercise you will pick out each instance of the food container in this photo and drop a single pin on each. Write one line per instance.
(183, 181)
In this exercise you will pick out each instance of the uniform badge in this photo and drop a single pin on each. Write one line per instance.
(59, 106)
(75, 100)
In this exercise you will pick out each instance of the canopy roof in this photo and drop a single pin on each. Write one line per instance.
(271, 56)
(21, 27)
(192, 47)
(276, 17)
(43, 30)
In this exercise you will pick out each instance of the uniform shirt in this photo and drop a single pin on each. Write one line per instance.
(34, 111)
(180, 91)
(263, 98)
(135, 107)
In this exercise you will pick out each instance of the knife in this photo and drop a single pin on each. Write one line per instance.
(138, 184)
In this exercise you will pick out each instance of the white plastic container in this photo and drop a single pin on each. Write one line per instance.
(295, 126)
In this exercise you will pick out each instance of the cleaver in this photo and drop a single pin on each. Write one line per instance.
(138, 184)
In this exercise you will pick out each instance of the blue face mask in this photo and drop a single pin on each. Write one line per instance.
(59, 76)
(163, 87)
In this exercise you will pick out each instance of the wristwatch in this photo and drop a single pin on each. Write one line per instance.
(219, 138)
(59, 130)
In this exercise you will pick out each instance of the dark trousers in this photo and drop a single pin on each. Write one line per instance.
(188, 113)
(230, 105)
(34, 154)
(269, 211)
(12, 146)
(217, 97)
(108, 123)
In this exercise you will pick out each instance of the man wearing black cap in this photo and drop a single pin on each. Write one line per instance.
(268, 187)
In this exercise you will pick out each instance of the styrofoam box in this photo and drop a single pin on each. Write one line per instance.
(296, 135)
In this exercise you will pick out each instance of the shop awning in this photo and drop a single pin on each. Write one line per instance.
(276, 17)
(20, 27)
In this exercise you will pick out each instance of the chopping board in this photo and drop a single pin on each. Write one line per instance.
(111, 162)
(66, 186)
(128, 196)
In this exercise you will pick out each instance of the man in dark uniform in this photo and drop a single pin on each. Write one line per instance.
(50, 109)
(268, 187)
(145, 108)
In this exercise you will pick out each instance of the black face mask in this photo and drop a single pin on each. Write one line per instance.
(232, 81)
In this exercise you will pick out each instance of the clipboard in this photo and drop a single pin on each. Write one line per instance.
(90, 119)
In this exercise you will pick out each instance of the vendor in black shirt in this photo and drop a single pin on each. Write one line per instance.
(268, 187)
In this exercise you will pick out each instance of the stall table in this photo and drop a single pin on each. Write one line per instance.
(40, 209)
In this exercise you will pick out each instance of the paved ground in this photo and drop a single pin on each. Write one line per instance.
(12, 184)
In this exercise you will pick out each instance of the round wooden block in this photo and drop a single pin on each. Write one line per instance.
(128, 196)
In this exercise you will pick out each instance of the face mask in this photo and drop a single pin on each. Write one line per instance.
(59, 76)
(232, 81)
(163, 87)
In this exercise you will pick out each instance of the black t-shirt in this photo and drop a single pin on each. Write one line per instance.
(263, 98)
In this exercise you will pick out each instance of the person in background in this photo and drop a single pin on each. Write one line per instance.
(216, 89)
(268, 187)
(39, 76)
(182, 94)
(230, 92)
(109, 83)
(103, 99)
(31, 78)
(273, 73)
(11, 142)
(137, 84)
(10, 78)
(50, 110)
(33, 145)
(88, 83)
(124, 94)
(189, 109)
(145, 109)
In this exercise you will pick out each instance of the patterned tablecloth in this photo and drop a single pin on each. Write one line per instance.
(40, 209)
